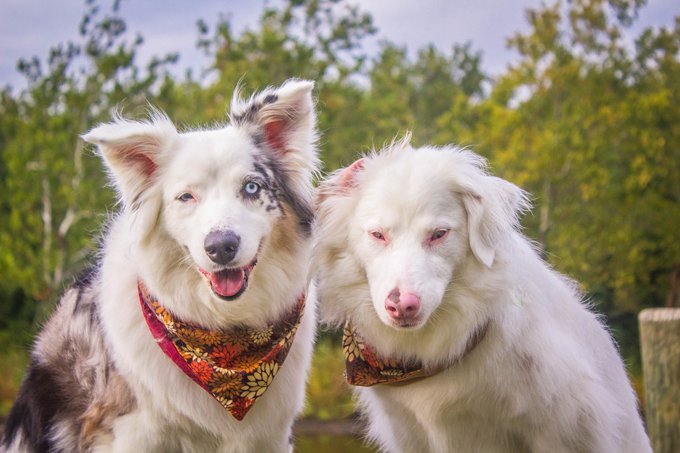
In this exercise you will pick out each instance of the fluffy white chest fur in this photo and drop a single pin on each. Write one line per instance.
(418, 248)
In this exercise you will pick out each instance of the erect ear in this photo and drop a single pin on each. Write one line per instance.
(342, 182)
(347, 177)
(133, 152)
(493, 210)
(282, 120)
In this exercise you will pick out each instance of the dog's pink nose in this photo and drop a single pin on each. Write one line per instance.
(402, 305)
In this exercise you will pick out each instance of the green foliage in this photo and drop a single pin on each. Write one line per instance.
(16, 331)
(331, 444)
(586, 124)
(600, 131)
(328, 395)
(52, 193)
(596, 141)
(14, 359)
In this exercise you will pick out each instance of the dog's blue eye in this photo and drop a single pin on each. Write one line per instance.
(251, 188)
(185, 197)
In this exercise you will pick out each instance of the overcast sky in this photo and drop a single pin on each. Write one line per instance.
(32, 27)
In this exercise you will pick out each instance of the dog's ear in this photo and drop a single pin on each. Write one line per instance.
(282, 120)
(346, 180)
(342, 182)
(481, 242)
(493, 210)
(133, 152)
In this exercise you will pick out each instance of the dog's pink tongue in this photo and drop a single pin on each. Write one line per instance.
(228, 282)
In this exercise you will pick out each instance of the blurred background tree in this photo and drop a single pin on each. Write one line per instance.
(588, 125)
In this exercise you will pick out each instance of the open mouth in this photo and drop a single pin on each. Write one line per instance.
(230, 283)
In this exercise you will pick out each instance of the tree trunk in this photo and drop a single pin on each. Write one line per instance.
(660, 342)
(62, 262)
(47, 228)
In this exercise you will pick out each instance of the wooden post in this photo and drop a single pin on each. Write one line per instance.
(660, 343)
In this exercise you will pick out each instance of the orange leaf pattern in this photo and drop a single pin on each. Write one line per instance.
(236, 366)
(363, 366)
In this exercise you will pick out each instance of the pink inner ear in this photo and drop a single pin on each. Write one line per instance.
(346, 178)
(139, 159)
(273, 132)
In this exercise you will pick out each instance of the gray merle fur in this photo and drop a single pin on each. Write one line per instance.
(276, 180)
(71, 389)
(249, 115)
(39, 402)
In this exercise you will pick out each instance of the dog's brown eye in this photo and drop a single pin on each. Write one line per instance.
(185, 197)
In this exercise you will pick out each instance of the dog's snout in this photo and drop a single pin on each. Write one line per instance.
(221, 246)
(402, 305)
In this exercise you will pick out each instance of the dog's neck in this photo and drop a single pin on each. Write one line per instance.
(235, 366)
(365, 368)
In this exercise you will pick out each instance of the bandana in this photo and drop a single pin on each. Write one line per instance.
(235, 366)
(364, 367)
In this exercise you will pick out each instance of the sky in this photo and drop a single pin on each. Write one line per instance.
(31, 27)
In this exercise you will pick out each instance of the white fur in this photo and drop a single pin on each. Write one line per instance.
(546, 377)
(159, 240)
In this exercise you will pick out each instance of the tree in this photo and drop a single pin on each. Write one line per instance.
(591, 130)
(52, 188)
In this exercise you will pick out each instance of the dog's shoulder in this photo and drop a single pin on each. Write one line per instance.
(38, 402)
(66, 379)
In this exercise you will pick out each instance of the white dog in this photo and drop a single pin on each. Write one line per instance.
(177, 340)
(461, 338)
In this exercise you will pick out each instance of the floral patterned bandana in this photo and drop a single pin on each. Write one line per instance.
(236, 366)
(363, 366)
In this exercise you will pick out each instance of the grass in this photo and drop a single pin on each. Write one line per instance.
(330, 444)
(328, 396)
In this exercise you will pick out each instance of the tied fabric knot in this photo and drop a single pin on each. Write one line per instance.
(235, 366)
(365, 368)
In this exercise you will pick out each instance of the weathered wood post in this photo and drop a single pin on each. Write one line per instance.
(660, 343)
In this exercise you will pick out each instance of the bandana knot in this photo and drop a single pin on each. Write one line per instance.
(235, 366)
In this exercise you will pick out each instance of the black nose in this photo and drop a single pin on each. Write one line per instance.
(221, 246)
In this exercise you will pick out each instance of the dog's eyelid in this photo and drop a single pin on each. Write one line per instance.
(186, 197)
(438, 234)
(257, 180)
(378, 234)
